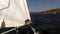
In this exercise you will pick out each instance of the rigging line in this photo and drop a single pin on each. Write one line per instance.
(6, 7)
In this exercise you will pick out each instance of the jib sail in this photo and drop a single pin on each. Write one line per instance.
(13, 12)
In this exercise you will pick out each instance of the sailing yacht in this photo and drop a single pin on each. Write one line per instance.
(13, 14)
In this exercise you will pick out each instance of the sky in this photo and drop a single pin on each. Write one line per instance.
(42, 5)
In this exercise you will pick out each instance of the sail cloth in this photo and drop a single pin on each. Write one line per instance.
(13, 12)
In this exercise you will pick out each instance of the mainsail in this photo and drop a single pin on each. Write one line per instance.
(13, 12)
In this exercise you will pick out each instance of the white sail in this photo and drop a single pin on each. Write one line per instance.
(14, 12)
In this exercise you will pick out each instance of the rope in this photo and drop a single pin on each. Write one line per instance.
(35, 32)
(8, 31)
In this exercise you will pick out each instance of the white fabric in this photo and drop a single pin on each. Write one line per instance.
(14, 12)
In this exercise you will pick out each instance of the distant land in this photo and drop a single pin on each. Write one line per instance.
(52, 11)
